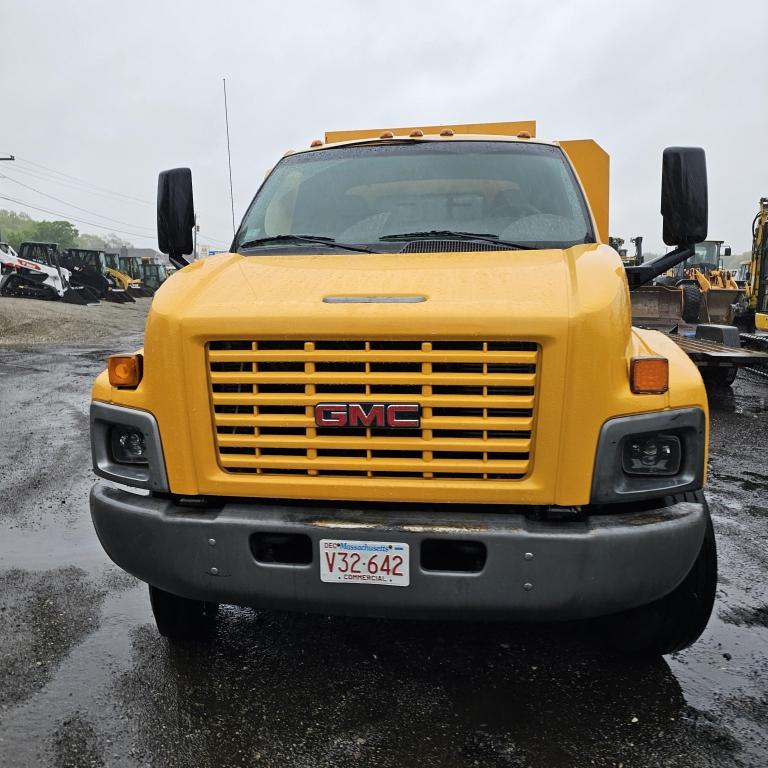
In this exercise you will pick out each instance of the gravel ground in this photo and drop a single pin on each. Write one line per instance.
(28, 321)
(279, 689)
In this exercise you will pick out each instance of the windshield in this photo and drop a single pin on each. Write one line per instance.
(705, 254)
(519, 192)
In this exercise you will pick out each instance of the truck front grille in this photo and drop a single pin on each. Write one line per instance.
(477, 403)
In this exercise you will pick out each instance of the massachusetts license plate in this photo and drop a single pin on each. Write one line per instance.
(364, 562)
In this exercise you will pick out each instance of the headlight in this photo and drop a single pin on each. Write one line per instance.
(128, 445)
(651, 455)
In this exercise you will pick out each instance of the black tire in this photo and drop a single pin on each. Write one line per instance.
(691, 302)
(719, 377)
(676, 621)
(181, 619)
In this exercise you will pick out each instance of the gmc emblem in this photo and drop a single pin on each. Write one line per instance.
(381, 415)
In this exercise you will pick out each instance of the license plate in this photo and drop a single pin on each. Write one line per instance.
(364, 562)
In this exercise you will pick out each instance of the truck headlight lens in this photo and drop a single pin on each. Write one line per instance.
(128, 445)
(651, 455)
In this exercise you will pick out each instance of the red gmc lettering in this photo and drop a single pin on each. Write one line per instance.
(364, 415)
(403, 415)
(374, 417)
(331, 415)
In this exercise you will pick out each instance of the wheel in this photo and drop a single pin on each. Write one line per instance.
(676, 621)
(691, 302)
(719, 377)
(182, 619)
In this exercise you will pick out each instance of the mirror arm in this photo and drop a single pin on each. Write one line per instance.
(178, 261)
(644, 273)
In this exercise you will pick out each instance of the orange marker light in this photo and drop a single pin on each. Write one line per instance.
(387, 135)
(316, 143)
(649, 375)
(416, 134)
(446, 132)
(523, 135)
(124, 370)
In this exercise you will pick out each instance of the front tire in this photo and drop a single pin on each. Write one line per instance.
(691, 302)
(181, 619)
(719, 377)
(677, 620)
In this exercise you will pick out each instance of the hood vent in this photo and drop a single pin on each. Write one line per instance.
(450, 246)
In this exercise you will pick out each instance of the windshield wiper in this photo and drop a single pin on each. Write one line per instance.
(317, 239)
(448, 234)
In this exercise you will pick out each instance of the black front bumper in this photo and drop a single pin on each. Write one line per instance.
(533, 570)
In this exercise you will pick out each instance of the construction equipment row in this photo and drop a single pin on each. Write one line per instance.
(76, 275)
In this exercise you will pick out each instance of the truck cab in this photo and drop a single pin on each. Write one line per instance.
(412, 388)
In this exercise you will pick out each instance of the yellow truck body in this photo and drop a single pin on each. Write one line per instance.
(520, 362)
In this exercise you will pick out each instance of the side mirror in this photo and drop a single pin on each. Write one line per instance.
(175, 214)
(727, 250)
(684, 208)
(684, 195)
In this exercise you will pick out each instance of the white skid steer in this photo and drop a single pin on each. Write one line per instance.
(40, 277)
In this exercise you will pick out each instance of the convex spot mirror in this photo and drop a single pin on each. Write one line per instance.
(684, 203)
(175, 214)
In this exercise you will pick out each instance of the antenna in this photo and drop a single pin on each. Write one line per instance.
(229, 157)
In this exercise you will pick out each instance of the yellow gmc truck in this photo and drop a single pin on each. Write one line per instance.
(412, 389)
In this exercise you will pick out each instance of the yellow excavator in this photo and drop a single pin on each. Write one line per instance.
(752, 314)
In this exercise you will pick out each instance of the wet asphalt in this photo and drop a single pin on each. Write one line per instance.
(85, 680)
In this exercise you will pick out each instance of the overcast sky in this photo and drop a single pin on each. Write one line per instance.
(111, 93)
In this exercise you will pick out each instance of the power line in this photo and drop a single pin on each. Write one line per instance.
(92, 189)
(48, 178)
(72, 205)
(214, 240)
(87, 183)
(67, 217)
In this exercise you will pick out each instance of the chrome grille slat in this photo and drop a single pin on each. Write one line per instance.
(476, 397)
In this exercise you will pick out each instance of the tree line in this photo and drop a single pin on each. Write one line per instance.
(16, 228)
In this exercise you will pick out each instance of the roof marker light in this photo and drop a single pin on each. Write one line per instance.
(523, 135)
(316, 143)
(416, 134)
(387, 135)
(446, 132)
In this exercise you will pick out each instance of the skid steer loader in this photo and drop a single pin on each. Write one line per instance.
(131, 265)
(36, 273)
(153, 275)
(88, 269)
(124, 280)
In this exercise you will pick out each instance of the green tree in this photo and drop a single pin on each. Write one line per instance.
(61, 232)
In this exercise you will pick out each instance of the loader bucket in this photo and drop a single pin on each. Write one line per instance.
(116, 297)
(657, 305)
(79, 296)
(716, 305)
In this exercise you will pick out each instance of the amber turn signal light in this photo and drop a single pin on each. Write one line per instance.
(649, 375)
(124, 370)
